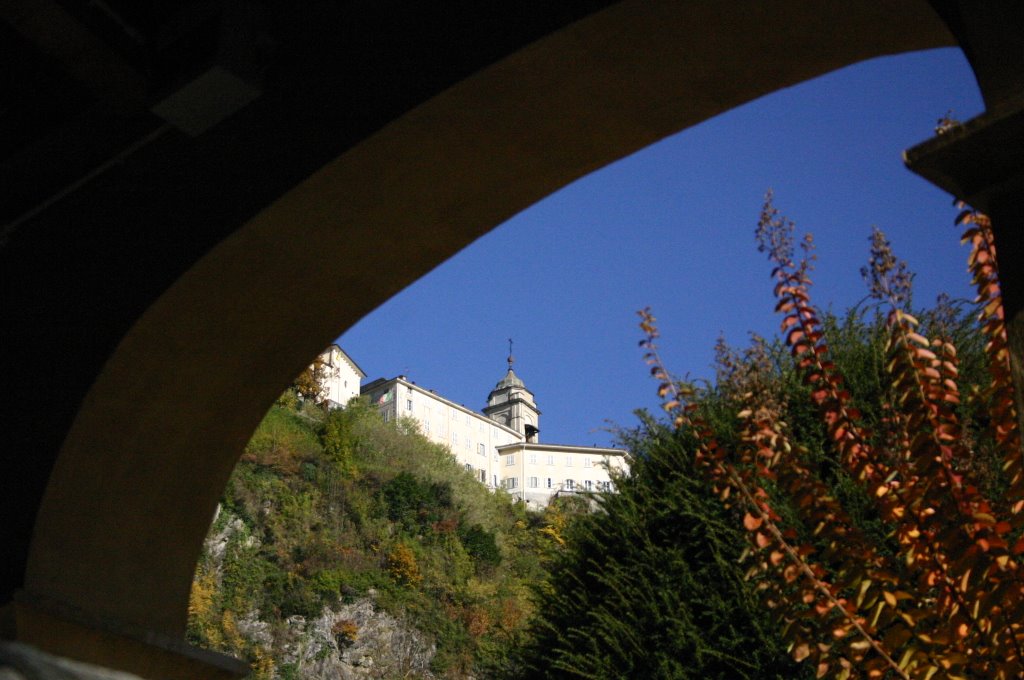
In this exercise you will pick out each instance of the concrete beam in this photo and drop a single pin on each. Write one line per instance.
(982, 163)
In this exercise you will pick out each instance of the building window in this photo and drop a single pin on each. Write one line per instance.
(588, 484)
(533, 458)
(586, 461)
(408, 404)
(570, 484)
(495, 481)
(551, 460)
(455, 439)
(568, 461)
(533, 482)
(469, 468)
(549, 483)
(510, 460)
(483, 476)
(510, 483)
(481, 450)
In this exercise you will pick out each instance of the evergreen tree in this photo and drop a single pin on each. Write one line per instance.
(649, 586)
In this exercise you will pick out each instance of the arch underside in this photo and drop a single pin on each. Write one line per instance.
(134, 487)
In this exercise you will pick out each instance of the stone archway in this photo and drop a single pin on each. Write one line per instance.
(132, 492)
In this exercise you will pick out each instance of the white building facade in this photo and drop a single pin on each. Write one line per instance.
(472, 437)
(536, 473)
(500, 446)
(342, 377)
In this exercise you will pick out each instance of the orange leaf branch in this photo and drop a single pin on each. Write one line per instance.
(983, 265)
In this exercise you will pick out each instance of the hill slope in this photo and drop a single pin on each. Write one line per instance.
(345, 546)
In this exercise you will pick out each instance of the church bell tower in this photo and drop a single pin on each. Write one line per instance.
(511, 404)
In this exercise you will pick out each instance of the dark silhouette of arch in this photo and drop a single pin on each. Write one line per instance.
(167, 273)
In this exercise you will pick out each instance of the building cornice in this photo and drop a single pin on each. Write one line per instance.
(490, 408)
(563, 448)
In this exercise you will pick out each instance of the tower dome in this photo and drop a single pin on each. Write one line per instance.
(510, 380)
(511, 404)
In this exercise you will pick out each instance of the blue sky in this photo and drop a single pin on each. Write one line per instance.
(672, 227)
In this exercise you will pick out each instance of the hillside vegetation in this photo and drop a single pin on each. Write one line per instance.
(346, 545)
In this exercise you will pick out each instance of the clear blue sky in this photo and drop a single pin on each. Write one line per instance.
(672, 227)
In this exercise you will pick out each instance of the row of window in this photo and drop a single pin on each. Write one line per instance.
(481, 474)
(549, 483)
(426, 408)
(532, 459)
(385, 399)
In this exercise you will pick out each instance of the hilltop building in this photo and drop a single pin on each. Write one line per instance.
(500, 446)
(342, 376)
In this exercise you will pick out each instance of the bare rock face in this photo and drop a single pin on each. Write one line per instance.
(349, 640)
(357, 641)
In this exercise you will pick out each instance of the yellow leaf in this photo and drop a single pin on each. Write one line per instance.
(864, 586)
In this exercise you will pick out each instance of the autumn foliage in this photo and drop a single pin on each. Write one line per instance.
(940, 592)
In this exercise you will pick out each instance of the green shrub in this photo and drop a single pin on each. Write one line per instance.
(480, 545)
(415, 503)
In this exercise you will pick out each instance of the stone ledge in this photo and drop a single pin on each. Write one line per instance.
(62, 629)
(978, 159)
